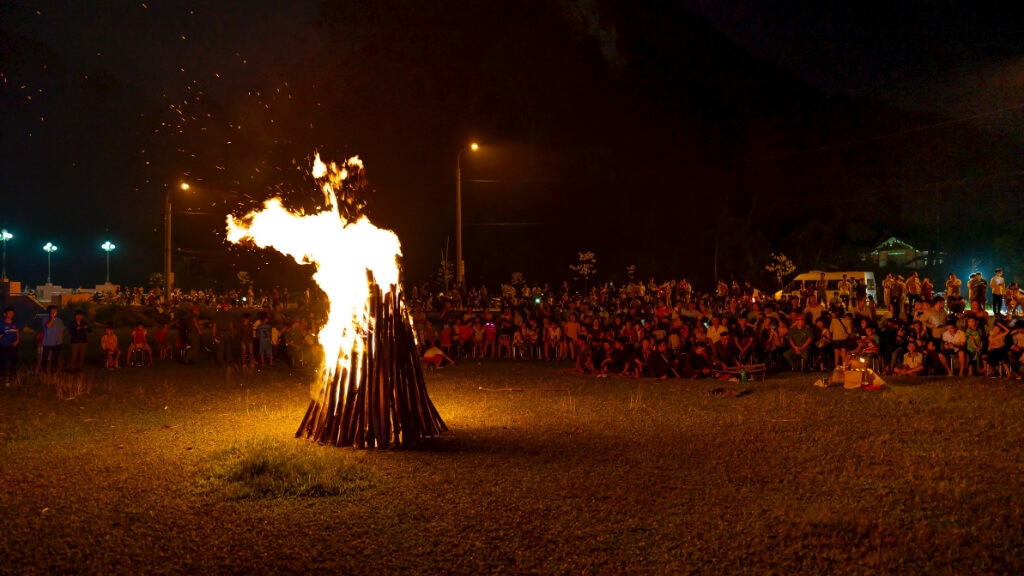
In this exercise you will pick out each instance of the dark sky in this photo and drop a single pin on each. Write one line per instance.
(107, 105)
(956, 56)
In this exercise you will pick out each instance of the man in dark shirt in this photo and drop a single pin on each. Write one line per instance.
(10, 337)
(723, 353)
(657, 363)
(222, 330)
(79, 334)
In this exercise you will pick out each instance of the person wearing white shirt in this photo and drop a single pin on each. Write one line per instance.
(953, 342)
(998, 286)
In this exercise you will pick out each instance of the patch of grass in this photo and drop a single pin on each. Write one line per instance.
(272, 468)
(173, 469)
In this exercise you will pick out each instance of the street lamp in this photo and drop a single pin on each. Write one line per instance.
(50, 249)
(5, 236)
(460, 272)
(167, 242)
(108, 247)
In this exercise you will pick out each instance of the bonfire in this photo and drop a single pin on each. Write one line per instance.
(371, 391)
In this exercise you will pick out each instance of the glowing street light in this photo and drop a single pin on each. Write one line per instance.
(460, 272)
(108, 247)
(50, 249)
(167, 241)
(5, 236)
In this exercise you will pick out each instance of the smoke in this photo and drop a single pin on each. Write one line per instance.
(585, 18)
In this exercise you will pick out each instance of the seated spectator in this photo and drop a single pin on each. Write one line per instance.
(658, 363)
(584, 355)
(998, 350)
(698, 363)
(953, 344)
(724, 354)
(139, 342)
(913, 361)
(800, 339)
(108, 342)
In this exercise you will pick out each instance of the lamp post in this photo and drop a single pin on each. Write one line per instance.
(108, 247)
(5, 236)
(50, 249)
(460, 272)
(167, 242)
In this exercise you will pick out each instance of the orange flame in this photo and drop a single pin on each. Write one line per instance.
(341, 251)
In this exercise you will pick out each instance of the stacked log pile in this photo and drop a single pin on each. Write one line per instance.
(379, 398)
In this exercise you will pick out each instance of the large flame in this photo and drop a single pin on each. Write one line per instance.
(341, 251)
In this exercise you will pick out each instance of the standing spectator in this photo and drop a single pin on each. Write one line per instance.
(926, 290)
(897, 291)
(10, 337)
(913, 290)
(78, 333)
(193, 332)
(953, 286)
(222, 331)
(822, 290)
(53, 338)
(161, 341)
(845, 289)
(293, 344)
(860, 290)
(264, 332)
(246, 336)
(998, 285)
(978, 288)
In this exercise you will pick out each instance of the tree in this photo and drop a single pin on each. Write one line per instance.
(586, 268)
(445, 273)
(244, 279)
(781, 267)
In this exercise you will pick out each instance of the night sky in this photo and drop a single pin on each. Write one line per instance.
(649, 132)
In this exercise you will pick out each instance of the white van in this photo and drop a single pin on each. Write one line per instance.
(832, 283)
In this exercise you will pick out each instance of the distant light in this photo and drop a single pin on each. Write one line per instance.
(108, 246)
(184, 186)
(537, 301)
(5, 235)
(50, 247)
(474, 146)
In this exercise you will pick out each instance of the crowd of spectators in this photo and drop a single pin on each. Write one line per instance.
(667, 329)
(652, 329)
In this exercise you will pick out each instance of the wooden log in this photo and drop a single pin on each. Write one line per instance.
(379, 397)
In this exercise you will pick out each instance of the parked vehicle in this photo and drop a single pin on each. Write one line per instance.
(832, 283)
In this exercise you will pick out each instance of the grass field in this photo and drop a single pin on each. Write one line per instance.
(172, 469)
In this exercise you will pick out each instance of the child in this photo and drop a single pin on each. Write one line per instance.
(266, 347)
(161, 341)
(110, 349)
(139, 342)
(247, 358)
(435, 356)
